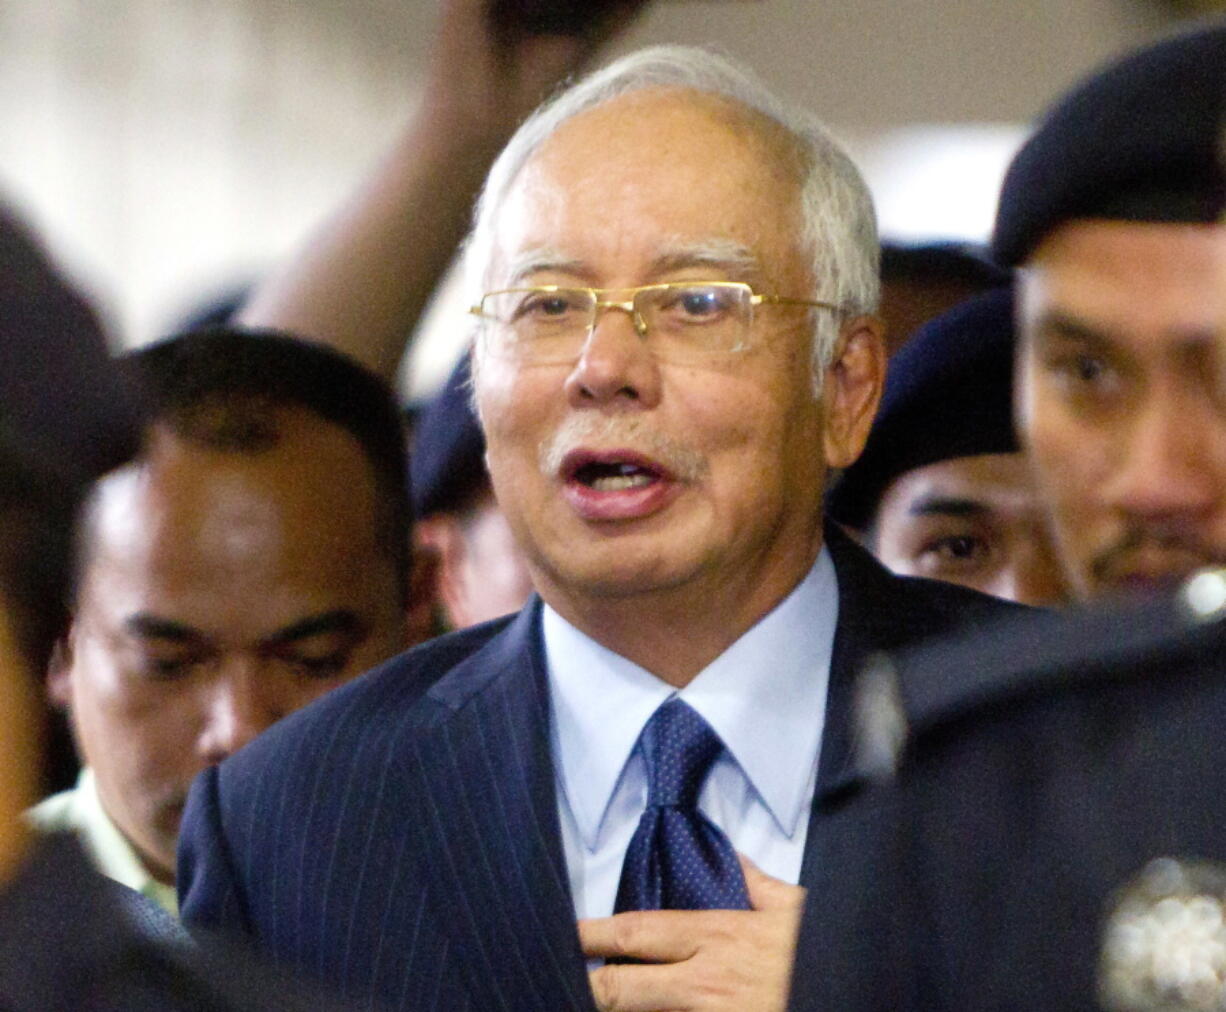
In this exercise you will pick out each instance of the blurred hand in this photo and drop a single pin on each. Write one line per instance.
(489, 80)
(712, 960)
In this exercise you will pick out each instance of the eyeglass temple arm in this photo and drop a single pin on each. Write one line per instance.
(783, 300)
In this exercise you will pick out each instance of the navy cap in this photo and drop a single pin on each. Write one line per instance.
(948, 393)
(1138, 141)
(63, 404)
(948, 261)
(447, 463)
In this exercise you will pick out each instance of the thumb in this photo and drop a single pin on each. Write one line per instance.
(767, 893)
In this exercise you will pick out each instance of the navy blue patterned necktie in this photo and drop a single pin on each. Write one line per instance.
(678, 859)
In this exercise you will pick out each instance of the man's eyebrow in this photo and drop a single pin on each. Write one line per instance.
(537, 261)
(946, 505)
(1062, 326)
(152, 627)
(725, 255)
(339, 621)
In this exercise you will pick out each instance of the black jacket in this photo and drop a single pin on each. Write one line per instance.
(1044, 767)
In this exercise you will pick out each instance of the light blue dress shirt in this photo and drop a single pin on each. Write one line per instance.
(765, 696)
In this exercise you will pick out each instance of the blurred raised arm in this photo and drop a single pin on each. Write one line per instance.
(362, 279)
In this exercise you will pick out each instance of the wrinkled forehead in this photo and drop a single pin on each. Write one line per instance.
(661, 168)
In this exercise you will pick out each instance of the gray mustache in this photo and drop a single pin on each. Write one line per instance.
(596, 431)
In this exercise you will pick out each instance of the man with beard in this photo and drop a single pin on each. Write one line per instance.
(1109, 210)
(675, 277)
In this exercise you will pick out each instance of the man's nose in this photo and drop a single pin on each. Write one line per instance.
(1161, 470)
(237, 707)
(616, 365)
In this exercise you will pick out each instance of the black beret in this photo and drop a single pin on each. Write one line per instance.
(948, 393)
(1138, 141)
(63, 404)
(942, 260)
(447, 463)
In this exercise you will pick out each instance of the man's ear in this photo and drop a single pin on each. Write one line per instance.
(852, 389)
(59, 671)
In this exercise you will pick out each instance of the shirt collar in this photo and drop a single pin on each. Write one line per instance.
(765, 696)
(114, 855)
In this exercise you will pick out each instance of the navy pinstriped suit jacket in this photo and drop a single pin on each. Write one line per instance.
(399, 838)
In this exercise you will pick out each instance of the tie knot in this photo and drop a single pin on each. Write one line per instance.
(679, 749)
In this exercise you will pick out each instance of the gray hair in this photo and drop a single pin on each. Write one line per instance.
(839, 226)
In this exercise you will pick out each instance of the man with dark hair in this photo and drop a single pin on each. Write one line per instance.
(920, 281)
(942, 488)
(71, 939)
(253, 557)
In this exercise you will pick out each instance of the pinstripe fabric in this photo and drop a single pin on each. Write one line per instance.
(398, 838)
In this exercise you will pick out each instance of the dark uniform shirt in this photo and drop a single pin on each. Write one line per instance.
(1054, 833)
(73, 941)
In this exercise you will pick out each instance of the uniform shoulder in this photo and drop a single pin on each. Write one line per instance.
(1030, 654)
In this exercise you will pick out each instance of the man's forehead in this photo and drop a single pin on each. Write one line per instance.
(997, 479)
(1123, 277)
(184, 500)
(1118, 244)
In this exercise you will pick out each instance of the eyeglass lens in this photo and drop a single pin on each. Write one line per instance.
(677, 320)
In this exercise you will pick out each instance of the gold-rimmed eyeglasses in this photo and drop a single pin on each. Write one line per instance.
(681, 319)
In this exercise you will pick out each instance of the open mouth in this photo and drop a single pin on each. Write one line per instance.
(615, 476)
(616, 484)
(612, 470)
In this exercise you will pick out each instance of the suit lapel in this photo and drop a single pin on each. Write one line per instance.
(869, 619)
(485, 785)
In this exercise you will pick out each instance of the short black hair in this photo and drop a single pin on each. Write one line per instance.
(223, 386)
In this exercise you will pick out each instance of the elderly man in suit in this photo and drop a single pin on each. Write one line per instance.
(675, 276)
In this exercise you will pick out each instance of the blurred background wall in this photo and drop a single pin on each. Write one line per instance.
(171, 149)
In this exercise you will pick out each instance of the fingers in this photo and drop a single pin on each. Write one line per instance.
(767, 893)
(655, 936)
(624, 988)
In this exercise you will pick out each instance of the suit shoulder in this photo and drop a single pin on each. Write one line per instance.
(389, 699)
(897, 613)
